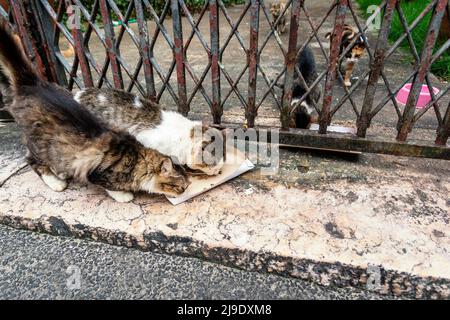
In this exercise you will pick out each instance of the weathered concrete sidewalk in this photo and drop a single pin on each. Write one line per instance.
(325, 219)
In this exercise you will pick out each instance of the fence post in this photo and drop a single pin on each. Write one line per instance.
(33, 38)
(443, 132)
(291, 56)
(110, 41)
(18, 26)
(376, 67)
(336, 37)
(183, 107)
(47, 28)
(145, 50)
(217, 110)
(253, 60)
(80, 50)
(406, 121)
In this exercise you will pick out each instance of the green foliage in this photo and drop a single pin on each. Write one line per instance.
(411, 10)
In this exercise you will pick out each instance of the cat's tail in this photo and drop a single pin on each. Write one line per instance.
(14, 64)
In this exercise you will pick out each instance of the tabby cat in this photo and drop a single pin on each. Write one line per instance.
(166, 131)
(65, 141)
(276, 9)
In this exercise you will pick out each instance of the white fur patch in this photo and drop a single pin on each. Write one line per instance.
(172, 136)
(101, 98)
(120, 196)
(137, 103)
(294, 102)
(308, 108)
(149, 186)
(54, 183)
(77, 96)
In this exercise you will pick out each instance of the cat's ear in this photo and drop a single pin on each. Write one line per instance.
(348, 34)
(167, 168)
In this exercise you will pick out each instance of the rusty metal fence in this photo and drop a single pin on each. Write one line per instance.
(41, 24)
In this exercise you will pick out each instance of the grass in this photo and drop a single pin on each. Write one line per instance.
(411, 10)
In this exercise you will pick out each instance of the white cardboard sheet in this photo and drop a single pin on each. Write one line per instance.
(235, 165)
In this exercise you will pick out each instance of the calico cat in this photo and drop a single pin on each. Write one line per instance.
(65, 141)
(166, 131)
(356, 52)
(303, 114)
(276, 9)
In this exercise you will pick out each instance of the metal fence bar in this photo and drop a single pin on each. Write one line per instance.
(345, 142)
(351, 143)
(443, 132)
(30, 40)
(216, 108)
(124, 20)
(183, 106)
(253, 60)
(59, 29)
(336, 37)
(160, 29)
(196, 32)
(110, 42)
(375, 68)
(39, 35)
(90, 17)
(234, 31)
(60, 12)
(78, 38)
(144, 49)
(406, 121)
(33, 37)
(41, 25)
(47, 30)
(285, 114)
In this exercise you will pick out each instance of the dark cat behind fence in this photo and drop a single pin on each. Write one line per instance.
(303, 111)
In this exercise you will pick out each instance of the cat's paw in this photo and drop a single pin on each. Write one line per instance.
(54, 182)
(121, 196)
(348, 84)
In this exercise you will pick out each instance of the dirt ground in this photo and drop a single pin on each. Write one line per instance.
(398, 67)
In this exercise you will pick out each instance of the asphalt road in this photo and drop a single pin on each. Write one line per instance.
(39, 266)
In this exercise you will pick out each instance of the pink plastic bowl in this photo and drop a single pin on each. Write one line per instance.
(424, 98)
